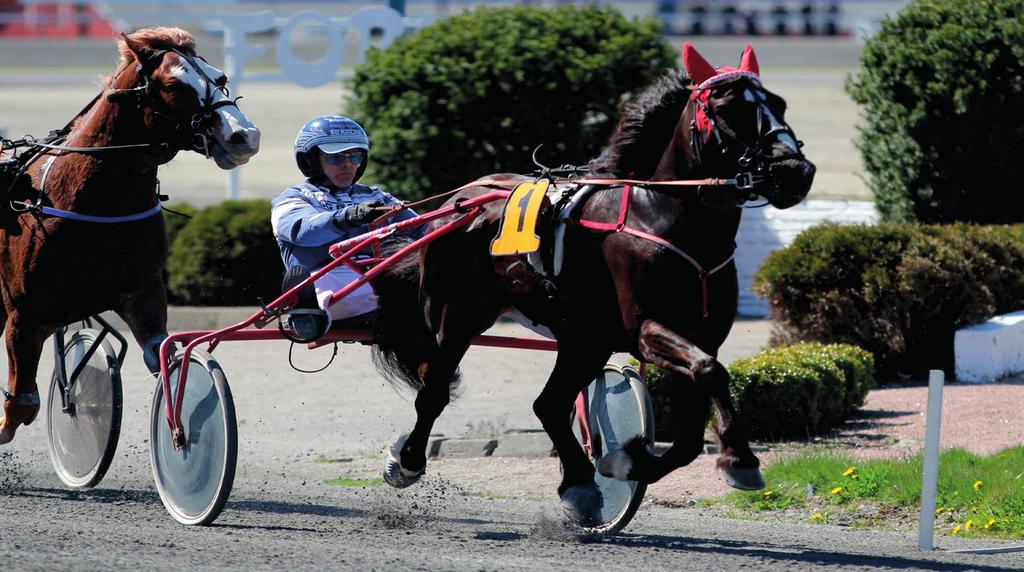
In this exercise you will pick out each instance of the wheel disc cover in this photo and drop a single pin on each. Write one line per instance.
(190, 479)
(79, 441)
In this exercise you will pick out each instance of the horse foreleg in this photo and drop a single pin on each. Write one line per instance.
(707, 378)
(576, 366)
(145, 312)
(21, 402)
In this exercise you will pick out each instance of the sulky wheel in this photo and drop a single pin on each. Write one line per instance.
(194, 481)
(83, 415)
(618, 409)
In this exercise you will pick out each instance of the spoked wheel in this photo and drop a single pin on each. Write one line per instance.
(618, 409)
(194, 482)
(83, 416)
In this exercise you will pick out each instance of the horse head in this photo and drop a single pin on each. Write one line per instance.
(733, 126)
(183, 99)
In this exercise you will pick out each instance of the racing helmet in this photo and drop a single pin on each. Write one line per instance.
(331, 134)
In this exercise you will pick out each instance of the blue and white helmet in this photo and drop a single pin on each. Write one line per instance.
(332, 134)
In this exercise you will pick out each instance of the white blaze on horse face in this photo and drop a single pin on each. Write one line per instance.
(775, 125)
(236, 136)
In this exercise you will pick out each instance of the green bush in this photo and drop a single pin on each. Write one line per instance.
(476, 93)
(942, 86)
(800, 390)
(898, 291)
(226, 255)
(791, 391)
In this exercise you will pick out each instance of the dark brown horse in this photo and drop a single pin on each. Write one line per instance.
(82, 233)
(647, 270)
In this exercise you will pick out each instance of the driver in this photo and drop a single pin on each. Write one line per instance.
(330, 206)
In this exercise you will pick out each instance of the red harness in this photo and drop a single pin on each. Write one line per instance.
(620, 226)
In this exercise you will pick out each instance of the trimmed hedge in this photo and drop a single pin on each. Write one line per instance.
(226, 256)
(800, 390)
(790, 391)
(942, 89)
(476, 93)
(898, 291)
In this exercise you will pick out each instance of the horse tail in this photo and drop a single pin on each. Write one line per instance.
(402, 340)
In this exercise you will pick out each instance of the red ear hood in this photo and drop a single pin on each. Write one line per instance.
(696, 66)
(748, 61)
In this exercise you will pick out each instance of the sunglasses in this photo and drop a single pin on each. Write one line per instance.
(356, 157)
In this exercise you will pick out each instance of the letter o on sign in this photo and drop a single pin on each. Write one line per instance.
(311, 74)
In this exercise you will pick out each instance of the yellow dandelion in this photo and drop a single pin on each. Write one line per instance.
(956, 529)
(855, 477)
(968, 524)
(817, 516)
(978, 485)
(837, 490)
(990, 522)
(849, 471)
(939, 510)
(768, 493)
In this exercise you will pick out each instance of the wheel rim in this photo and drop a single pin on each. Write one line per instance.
(616, 416)
(82, 439)
(190, 480)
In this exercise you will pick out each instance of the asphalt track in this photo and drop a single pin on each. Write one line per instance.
(297, 431)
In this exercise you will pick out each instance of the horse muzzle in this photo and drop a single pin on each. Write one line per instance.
(788, 182)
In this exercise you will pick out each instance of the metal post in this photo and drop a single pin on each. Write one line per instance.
(930, 476)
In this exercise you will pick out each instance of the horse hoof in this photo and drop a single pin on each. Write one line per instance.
(394, 473)
(582, 504)
(616, 465)
(744, 479)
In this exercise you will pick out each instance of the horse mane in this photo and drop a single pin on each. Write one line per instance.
(635, 147)
(157, 38)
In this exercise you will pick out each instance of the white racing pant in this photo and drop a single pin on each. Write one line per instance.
(357, 303)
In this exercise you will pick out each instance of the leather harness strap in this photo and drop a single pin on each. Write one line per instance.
(620, 226)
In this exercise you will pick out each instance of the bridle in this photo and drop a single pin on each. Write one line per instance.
(201, 123)
(754, 160)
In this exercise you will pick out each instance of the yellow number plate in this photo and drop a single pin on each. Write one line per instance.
(518, 233)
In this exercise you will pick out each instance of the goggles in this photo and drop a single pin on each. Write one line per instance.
(355, 156)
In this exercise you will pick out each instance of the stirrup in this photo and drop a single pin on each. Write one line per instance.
(306, 322)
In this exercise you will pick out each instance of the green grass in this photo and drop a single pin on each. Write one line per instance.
(349, 482)
(977, 496)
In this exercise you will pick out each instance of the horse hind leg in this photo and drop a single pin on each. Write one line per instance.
(406, 460)
(21, 400)
(698, 380)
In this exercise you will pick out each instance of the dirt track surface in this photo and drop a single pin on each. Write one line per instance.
(296, 432)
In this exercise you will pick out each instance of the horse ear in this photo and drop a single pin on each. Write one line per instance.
(748, 61)
(696, 66)
(140, 50)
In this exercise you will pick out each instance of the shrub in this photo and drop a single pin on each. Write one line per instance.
(942, 86)
(477, 92)
(800, 390)
(898, 291)
(791, 391)
(175, 222)
(226, 255)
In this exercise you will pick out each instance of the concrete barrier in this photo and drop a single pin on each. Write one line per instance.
(989, 351)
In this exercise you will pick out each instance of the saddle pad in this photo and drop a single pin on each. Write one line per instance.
(518, 231)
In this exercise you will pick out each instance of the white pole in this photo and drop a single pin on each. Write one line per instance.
(930, 477)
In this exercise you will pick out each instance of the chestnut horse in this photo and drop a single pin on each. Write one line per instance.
(83, 232)
(647, 270)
